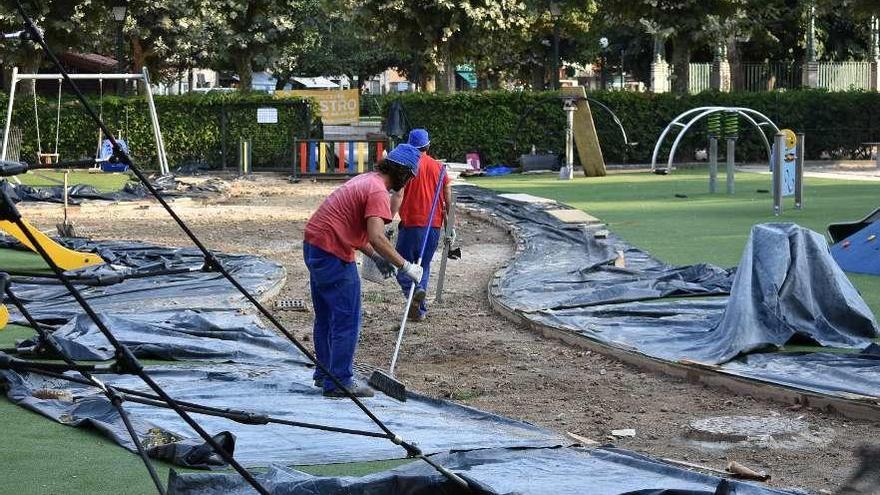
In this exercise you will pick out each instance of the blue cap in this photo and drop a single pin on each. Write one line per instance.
(407, 156)
(419, 138)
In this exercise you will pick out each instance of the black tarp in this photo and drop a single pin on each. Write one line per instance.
(175, 335)
(196, 289)
(787, 285)
(282, 390)
(166, 185)
(559, 471)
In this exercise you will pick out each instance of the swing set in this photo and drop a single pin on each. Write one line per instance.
(51, 157)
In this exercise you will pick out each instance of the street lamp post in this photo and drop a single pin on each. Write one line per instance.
(603, 46)
(120, 9)
(622, 75)
(555, 14)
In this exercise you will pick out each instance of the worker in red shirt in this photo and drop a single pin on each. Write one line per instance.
(352, 218)
(414, 208)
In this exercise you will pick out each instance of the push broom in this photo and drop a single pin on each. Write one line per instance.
(385, 382)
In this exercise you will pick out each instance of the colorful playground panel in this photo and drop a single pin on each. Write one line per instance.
(334, 157)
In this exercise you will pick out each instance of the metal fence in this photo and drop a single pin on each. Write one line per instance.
(699, 77)
(769, 76)
(844, 76)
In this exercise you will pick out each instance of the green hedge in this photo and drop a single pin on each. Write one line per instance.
(192, 127)
(835, 123)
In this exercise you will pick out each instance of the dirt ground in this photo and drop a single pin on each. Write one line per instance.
(465, 352)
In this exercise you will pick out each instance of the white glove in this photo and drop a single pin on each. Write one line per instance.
(413, 271)
(451, 237)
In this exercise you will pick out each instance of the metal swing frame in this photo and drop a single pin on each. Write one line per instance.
(144, 77)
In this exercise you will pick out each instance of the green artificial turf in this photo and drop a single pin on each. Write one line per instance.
(104, 182)
(642, 208)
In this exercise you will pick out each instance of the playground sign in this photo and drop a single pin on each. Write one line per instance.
(337, 106)
(789, 159)
(267, 115)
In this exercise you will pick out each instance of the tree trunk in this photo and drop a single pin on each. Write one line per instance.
(281, 80)
(190, 80)
(537, 78)
(138, 56)
(30, 66)
(430, 84)
(734, 57)
(244, 70)
(681, 58)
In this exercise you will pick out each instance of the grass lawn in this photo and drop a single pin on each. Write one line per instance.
(40, 456)
(703, 227)
(104, 182)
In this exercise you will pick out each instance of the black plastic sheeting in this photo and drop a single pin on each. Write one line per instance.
(282, 390)
(561, 471)
(195, 289)
(167, 186)
(787, 286)
(175, 335)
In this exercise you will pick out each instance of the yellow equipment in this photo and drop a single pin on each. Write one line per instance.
(67, 259)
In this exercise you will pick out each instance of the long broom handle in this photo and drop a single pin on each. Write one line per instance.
(412, 288)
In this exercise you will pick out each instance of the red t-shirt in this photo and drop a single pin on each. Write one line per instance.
(418, 195)
(340, 224)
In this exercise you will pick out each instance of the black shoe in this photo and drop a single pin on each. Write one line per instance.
(356, 389)
(413, 312)
(319, 383)
(418, 317)
(419, 295)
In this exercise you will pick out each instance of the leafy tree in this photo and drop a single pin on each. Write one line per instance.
(169, 36)
(251, 35)
(336, 43)
(687, 20)
(431, 34)
(65, 25)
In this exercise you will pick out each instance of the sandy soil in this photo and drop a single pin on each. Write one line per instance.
(465, 352)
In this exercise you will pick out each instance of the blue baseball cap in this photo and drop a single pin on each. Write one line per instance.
(419, 138)
(407, 156)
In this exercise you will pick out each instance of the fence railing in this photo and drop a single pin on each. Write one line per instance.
(843, 76)
(769, 76)
(699, 75)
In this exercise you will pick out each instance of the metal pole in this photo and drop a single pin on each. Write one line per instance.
(778, 160)
(154, 117)
(9, 112)
(811, 34)
(556, 54)
(731, 164)
(120, 89)
(567, 172)
(713, 164)
(799, 173)
(622, 76)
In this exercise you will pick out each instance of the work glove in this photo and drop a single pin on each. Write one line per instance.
(451, 237)
(385, 267)
(412, 270)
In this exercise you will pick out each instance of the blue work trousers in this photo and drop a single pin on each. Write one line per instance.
(336, 299)
(409, 243)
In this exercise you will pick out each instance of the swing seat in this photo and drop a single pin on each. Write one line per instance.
(48, 158)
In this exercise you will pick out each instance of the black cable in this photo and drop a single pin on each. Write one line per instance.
(111, 394)
(211, 262)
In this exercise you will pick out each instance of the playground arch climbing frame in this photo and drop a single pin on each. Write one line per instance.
(757, 119)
